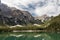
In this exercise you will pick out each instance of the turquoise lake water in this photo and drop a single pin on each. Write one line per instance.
(29, 36)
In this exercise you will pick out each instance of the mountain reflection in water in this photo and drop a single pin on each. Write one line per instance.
(29, 36)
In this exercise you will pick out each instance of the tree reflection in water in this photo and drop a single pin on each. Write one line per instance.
(29, 36)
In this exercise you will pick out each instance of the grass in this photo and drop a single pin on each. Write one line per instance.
(25, 27)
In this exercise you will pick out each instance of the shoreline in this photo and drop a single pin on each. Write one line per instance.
(29, 31)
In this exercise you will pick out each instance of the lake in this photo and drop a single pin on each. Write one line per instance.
(29, 36)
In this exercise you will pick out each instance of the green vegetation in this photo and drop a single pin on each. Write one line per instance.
(54, 24)
(27, 27)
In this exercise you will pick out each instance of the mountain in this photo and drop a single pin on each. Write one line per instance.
(42, 18)
(54, 24)
(13, 16)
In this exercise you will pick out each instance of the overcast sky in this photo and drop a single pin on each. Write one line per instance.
(36, 7)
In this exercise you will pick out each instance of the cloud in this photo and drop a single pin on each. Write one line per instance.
(45, 9)
(35, 7)
(16, 2)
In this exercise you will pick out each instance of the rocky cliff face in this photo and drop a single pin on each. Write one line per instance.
(43, 18)
(11, 16)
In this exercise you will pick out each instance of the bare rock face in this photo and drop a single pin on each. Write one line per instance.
(13, 17)
(43, 18)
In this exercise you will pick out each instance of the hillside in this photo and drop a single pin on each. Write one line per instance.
(13, 16)
(54, 24)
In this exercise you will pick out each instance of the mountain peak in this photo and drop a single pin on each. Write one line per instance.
(15, 16)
